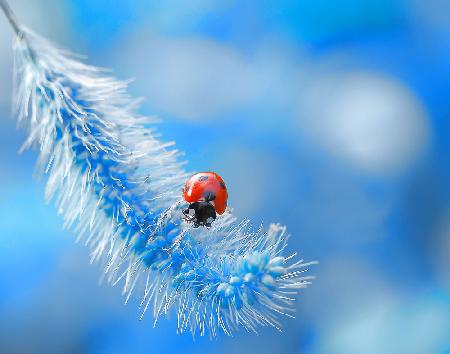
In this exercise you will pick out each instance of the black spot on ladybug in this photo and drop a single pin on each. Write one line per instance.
(222, 185)
(202, 178)
(209, 196)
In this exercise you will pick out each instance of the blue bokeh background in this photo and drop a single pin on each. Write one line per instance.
(331, 117)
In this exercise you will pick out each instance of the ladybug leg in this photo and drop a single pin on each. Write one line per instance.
(209, 221)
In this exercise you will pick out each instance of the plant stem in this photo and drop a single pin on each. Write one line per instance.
(16, 27)
(11, 17)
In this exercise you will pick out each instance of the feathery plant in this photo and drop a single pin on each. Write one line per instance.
(119, 188)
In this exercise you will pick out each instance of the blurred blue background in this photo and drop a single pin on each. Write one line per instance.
(331, 117)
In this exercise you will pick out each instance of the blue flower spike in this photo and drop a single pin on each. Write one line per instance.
(119, 188)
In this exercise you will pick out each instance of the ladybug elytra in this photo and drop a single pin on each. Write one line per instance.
(207, 196)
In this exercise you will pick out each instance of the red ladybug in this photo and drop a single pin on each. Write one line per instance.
(207, 194)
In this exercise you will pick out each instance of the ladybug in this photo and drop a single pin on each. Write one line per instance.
(207, 196)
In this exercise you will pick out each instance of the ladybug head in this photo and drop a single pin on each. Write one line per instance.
(200, 213)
